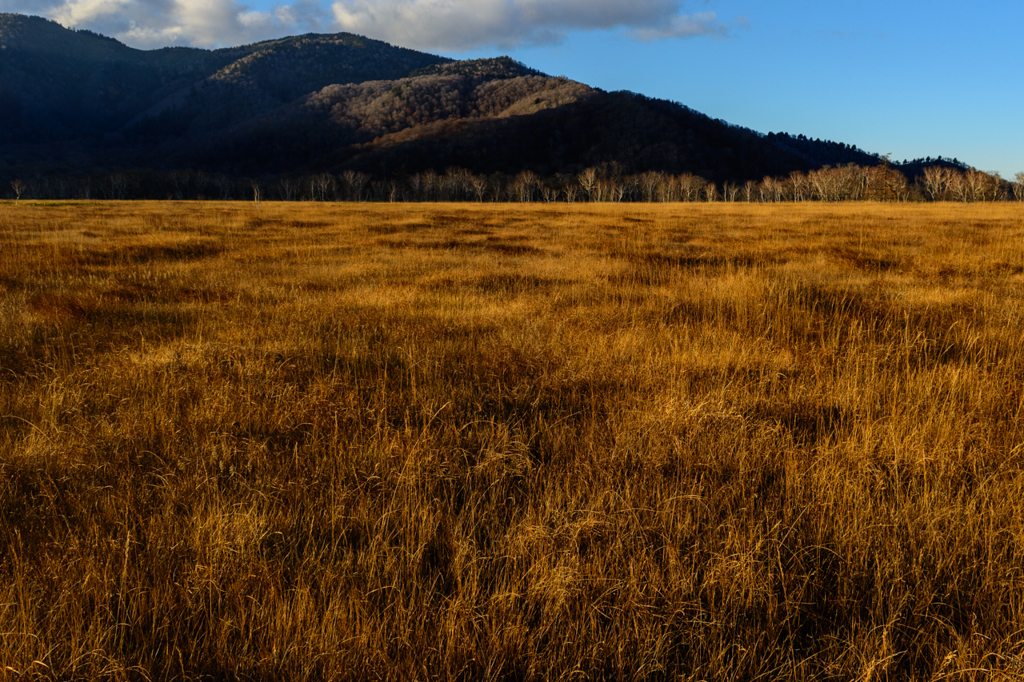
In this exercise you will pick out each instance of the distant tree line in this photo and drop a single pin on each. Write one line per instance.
(947, 182)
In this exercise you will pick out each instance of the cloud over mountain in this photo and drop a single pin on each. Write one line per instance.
(463, 24)
(436, 25)
(200, 23)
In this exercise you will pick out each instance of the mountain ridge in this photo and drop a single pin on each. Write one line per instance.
(79, 102)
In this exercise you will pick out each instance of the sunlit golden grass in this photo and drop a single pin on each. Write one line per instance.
(311, 442)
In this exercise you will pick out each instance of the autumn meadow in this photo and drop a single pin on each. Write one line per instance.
(528, 442)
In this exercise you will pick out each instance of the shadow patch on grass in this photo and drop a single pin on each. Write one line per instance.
(148, 293)
(834, 303)
(513, 249)
(451, 220)
(811, 422)
(865, 262)
(60, 306)
(660, 269)
(454, 244)
(690, 312)
(500, 284)
(516, 284)
(183, 252)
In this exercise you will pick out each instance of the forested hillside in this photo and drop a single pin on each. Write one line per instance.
(74, 105)
(59, 84)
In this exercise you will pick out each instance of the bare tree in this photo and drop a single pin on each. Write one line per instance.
(975, 182)
(415, 185)
(958, 189)
(524, 186)
(19, 188)
(852, 181)
(748, 190)
(289, 188)
(322, 186)
(549, 193)
(898, 186)
(649, 183)
(588, 182)
(669, 189)
(691, 187)
(799, 186)
(455, 182)
(479, 184)
(608, 189)
(256, 192)
(729, 192)
(571, 192)
(630, 188)
(618, 190)
(995, 187)
(826, 183)
(354, 183)
(430, 182)
(936, 182)
(1018, 187)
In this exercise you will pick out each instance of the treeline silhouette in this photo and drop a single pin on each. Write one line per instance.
(944, 181)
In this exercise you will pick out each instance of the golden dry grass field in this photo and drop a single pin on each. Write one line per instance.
(460, 442)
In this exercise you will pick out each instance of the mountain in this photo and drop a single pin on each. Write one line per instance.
(59, 84)
(77, 102)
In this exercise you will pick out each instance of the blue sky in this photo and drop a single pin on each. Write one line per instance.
(908, 78)
(905, 77)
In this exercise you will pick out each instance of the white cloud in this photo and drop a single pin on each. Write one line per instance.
(77, 12)
(153, 23)
(684, 26)
(201, 23)
(435, 25)
(463, 24)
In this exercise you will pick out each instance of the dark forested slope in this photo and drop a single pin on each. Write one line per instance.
(59, 84)
(77, 102)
